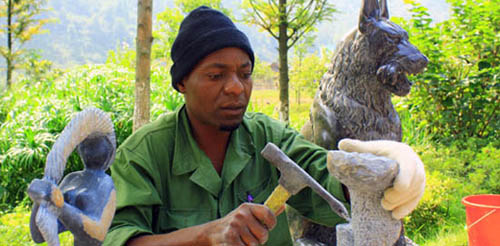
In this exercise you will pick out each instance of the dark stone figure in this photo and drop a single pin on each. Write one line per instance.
(84, 201)
(354, 96)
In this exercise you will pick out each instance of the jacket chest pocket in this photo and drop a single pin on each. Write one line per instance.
(177, 218)
(256, 193)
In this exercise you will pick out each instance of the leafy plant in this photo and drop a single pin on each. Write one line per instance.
(456, 98)
(34, 113)
(453, 172)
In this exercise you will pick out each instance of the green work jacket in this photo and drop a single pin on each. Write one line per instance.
(165, 182)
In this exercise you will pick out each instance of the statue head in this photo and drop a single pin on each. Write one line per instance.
(395, 56)
(97, 151)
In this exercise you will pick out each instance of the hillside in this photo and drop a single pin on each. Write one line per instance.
(87, 30)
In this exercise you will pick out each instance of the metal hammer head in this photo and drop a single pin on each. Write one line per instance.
(293, 178)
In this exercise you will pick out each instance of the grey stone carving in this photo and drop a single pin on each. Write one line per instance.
(354, 96)
(84, 201)
(366, 176)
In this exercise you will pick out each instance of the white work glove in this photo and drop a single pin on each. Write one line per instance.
(409, 185)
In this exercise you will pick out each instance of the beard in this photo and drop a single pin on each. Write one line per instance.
(229, 128)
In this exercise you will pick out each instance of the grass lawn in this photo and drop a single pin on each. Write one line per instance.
(15, 230)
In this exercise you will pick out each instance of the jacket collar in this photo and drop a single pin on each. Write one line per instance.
(188, 157)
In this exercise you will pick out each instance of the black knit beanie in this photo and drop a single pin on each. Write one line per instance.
(202, 32)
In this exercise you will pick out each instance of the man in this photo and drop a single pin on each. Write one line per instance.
(195, 177)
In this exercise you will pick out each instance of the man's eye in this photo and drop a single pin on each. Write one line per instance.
(215, 76)
(247, 75)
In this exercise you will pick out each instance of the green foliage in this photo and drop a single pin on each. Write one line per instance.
(453, 172)
(37, 69)
(123, 56)
(22, 23)
(33, 113)
(457, 96)
(300, 16)
(306, 71)
(263, 75)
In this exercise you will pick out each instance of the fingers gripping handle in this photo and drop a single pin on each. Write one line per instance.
(277, 199)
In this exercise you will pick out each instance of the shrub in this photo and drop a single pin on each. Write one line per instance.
(33, 113)
(456, 98)
(453, 172)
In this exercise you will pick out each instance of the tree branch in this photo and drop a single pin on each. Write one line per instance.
(301, 13)
(266, 26)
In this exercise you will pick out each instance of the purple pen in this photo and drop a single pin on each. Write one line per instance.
(249, 197)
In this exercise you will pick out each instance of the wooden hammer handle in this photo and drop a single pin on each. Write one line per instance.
(277, 199)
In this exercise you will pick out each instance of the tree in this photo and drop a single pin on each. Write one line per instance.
(287, 23)
(143, 64)
(306, 72)
(21, 25)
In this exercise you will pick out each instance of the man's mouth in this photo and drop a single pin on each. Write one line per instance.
(233, 109)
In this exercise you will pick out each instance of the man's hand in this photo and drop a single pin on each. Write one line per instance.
(249, 224)
(409, 185)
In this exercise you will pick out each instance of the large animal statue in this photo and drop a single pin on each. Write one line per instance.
(84, 201)
(354, 96)
(368, 66)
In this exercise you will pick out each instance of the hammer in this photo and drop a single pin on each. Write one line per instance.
(292, 180)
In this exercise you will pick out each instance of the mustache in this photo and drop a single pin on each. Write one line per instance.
(233, 105)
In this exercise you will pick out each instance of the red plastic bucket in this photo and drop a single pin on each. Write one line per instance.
(483, 219)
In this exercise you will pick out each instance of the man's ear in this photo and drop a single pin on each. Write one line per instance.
(181, 86)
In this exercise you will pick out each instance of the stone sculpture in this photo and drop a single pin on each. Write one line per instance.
(84, 201)
(354, 96)
(366, 176)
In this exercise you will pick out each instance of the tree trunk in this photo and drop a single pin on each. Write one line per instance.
(9, 44)
(143, 63)
(298, 95)
(283, 56)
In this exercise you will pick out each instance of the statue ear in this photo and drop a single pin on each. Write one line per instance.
(384, 9)
(370, 11)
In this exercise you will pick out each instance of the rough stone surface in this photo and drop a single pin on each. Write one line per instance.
(366, 176)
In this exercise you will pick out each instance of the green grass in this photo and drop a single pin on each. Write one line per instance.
(14, 230)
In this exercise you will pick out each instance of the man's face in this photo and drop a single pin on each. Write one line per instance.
(218, 89)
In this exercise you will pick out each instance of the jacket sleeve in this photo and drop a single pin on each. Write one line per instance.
(136, 197)
(312, 158)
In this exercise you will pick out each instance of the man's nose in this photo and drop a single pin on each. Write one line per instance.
(233, 85)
